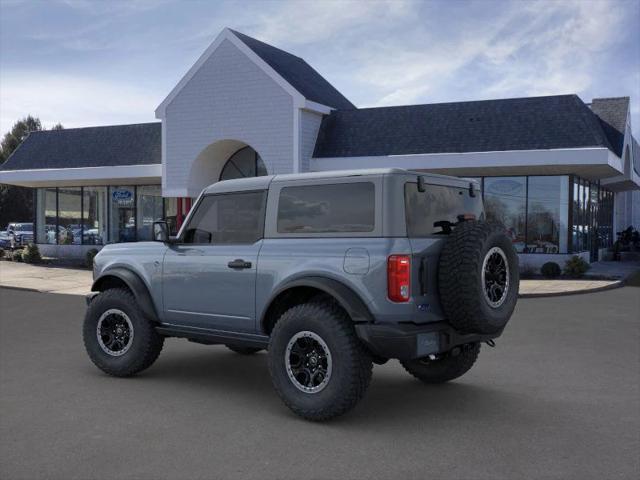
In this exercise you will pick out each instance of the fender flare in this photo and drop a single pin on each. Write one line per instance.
(345, 296)
(135, 284)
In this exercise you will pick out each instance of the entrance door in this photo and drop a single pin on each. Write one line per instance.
(123, 214)
(209, 277)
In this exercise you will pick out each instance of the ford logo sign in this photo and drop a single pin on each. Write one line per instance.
(506, 187)
(122, 195)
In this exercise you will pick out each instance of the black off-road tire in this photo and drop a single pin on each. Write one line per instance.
(446, 368)
(145, 345)
(243, 350)
(462, 292)
(351, 362)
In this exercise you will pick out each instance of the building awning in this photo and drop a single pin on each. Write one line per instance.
(126, 154)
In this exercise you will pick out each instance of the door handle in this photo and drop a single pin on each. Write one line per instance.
(239, 264)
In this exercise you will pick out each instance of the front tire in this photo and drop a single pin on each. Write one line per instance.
(450, 365)
(318, 366)
(119, 339)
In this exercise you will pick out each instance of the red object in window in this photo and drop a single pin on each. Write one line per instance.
(179, 212)
(398, 277)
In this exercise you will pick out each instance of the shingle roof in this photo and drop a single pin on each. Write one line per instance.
(532, 123)
(109, 146)
(612, 113)
(298, 73)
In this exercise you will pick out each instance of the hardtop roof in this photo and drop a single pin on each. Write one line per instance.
(263, 183)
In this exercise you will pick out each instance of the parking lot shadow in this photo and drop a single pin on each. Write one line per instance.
(246, 380)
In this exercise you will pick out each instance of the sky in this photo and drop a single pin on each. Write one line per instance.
(85, 63)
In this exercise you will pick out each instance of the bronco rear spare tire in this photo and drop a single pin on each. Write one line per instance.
(478, 277)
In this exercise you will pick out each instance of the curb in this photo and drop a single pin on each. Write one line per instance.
(25, 289)
(29, 289)
(613, 286)
(618, 284)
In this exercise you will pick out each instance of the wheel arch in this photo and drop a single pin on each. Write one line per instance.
(119, 277)
(305, 288)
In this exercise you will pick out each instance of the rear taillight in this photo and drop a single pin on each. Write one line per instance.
(398, 276)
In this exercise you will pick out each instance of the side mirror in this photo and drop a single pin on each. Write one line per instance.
(161, 231)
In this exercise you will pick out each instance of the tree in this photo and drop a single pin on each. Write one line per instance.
(16, 203)
(18, 133)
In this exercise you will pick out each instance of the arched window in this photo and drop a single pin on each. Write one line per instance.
(244, 163)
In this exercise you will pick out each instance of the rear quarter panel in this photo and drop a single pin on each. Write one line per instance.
(284, 260)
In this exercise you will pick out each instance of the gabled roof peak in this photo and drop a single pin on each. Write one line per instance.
(292, 73)
(298, 73)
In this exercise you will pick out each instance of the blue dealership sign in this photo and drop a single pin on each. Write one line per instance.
(122, 197)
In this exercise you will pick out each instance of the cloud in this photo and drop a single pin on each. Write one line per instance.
(376, 52)
(73, 101)
(537, 48)
(295, 22)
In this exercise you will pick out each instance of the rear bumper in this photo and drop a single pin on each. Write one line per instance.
(407, 341)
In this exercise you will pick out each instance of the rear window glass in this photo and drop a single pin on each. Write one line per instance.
(338, 208)
(438, 203)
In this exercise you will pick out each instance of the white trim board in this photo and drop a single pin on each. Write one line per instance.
(131, 174)
(530, 159)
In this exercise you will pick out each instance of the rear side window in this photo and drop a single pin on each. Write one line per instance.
(338, 208)
(233, 218)
(438, 203)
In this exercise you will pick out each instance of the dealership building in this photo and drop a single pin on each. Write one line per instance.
(562, 174)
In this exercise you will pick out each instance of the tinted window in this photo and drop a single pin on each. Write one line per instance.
(505, 200)
(346, 207)
(437, 204)
(224, 219)
(548, 214)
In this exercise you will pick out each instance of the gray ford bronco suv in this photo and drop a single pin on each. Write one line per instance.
(329, 272)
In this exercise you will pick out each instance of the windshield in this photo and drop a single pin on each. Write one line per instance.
(429, 212)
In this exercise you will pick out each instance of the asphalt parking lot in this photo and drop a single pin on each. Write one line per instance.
(558, 398)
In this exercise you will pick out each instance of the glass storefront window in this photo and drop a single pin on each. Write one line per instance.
(575, 212)
(592, 217)
(547, 214)
(605, 219)
(94, 214)
(505, 202)
(46, 215)
(586, 222)
(582, 215)
(593, 213)
(69, 216)
(97, 215)
(149, 209)
(122, 221)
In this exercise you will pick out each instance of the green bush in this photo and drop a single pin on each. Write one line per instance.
(551, 270)
(16, 256)
(89, 256)
(1, 253)
(576, 267)
(31, 254)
